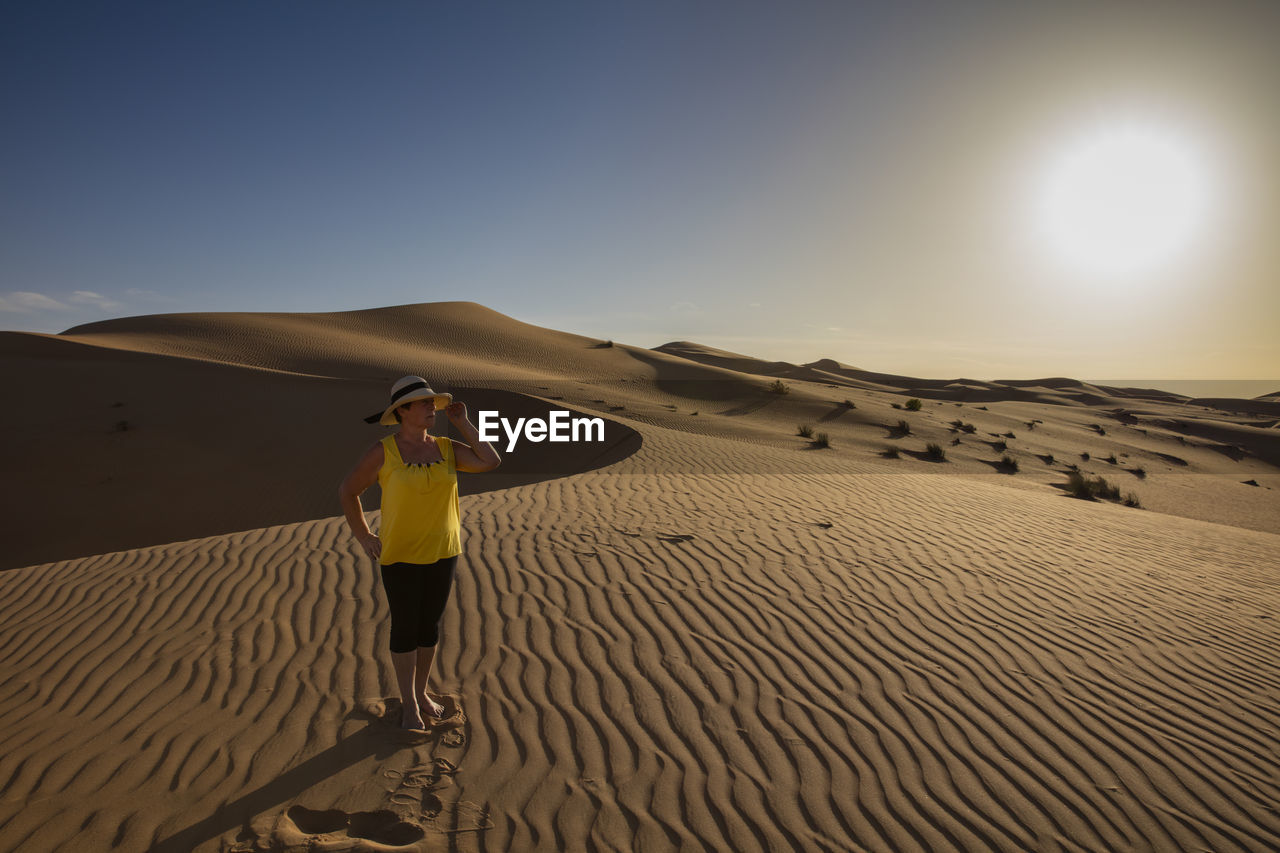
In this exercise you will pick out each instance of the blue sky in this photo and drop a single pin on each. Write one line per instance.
(790, 180)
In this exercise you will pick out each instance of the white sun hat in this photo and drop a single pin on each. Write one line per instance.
(406, 390)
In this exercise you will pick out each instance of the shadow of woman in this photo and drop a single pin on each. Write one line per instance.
(381, 738)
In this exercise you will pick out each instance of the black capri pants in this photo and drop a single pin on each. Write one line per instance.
(417, 595)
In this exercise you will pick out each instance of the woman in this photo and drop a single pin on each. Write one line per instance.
(421, 536)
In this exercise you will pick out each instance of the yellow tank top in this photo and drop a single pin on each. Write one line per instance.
(419, 506)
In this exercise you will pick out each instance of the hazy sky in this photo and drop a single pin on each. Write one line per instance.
(795, 180)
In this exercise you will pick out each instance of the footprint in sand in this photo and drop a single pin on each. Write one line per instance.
(426, 794)
(304, 828)
(412, 795)
(463, 816)
(428, 777)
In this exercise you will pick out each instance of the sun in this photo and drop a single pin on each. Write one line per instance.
(1124, 199)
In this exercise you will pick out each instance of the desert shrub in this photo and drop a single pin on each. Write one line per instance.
(1048, 459)
(896, 405)
(804, 431)
(1132, 500)
(1000, 446)
(904, 428)
(822, 440)
(955, 441)
(1085, 456)
(891, 452)
(1009, 465)
(936, 452)
(1140, 473)
(780, 387)
(914, 404)
(1090, 488)
(848, 404)
(1112, 459)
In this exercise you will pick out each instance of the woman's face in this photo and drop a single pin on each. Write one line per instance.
(419, 413)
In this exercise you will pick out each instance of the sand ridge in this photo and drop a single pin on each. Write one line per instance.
(769, 662)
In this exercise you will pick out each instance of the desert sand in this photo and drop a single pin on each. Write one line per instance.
(705, 632)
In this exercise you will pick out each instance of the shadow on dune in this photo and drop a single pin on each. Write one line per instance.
(379, 739)
(922, 456)
(748, 407)
(155, 449)
(837, 412)
(897, 430)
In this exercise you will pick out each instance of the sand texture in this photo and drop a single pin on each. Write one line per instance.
(704, 634)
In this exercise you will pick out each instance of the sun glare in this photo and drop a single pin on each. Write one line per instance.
(1122, 200)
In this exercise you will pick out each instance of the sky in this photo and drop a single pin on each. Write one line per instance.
(905, 187)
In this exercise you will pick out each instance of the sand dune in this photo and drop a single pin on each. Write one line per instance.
(704, 633)
(156, 448)
(206, 409)
(946, 666)
(449, 340)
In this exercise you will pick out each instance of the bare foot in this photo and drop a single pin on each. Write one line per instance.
(412, 720)
(431, 709)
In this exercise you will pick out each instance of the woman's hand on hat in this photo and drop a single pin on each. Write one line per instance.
(457, 412)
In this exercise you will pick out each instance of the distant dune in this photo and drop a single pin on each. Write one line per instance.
(705, 632)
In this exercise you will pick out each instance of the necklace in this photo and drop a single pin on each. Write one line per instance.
(415, 450)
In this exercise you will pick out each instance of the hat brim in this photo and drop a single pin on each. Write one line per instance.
(388, 417)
